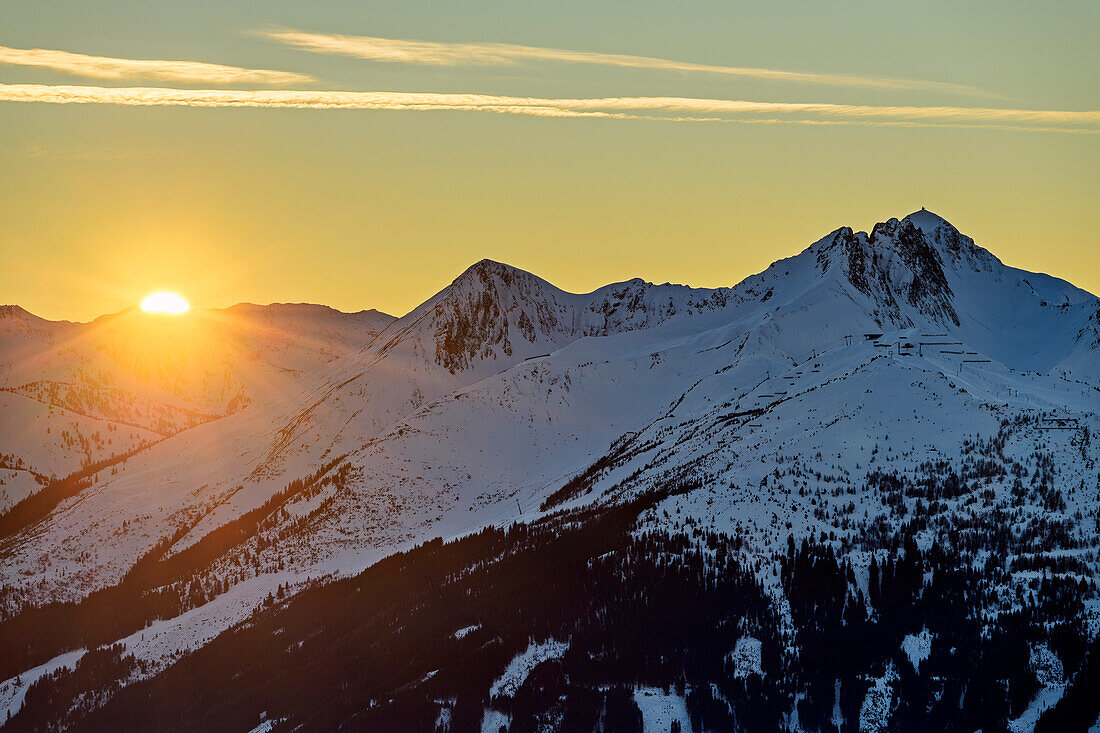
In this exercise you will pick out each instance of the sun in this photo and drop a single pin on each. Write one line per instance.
(164, 303)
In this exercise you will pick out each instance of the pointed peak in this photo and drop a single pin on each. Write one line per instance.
(14, 318)
(923, 224)
(15, 311)
(22, 315)
(927, 221)
(487, 266)
(490, 275)
(485, 263)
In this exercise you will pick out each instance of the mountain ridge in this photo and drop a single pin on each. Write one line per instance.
(776, 405)
(77, 393)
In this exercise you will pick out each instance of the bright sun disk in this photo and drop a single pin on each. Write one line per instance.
(164, 303)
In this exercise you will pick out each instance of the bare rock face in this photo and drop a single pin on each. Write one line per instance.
(900, 268)
(487, 308)
(918, 273)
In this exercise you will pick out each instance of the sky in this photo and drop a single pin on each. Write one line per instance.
(362, 155)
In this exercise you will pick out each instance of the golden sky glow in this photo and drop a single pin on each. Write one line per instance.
(275, 152)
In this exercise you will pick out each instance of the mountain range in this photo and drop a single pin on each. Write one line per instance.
(841, 442)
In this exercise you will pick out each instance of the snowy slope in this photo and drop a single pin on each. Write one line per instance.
(448, 422)
(723, 393)
(106, 387)
(503, 315)
(503, 394)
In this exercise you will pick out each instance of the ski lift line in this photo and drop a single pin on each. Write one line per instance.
(1058, 423)
(922, 344)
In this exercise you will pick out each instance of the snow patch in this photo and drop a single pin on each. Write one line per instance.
(521, 666)
(466, 630)
(874, 714)
(1044, 699)
(745, 657)
(443, 720)
(267, 725)
(917, 647)
(661, 710)
(494, 720)
(1046, 665)
(1050, 674)
(838, 715)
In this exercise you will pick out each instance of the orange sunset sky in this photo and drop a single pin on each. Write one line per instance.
(363, 156)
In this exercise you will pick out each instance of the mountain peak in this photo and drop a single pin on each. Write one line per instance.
(15, 311)
(927, 221)
(14, 317)
(497, 279)
(485, 267)
(491, 307)
(898, 266)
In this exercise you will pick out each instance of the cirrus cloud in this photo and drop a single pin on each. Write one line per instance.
(434, 53)
(677, 109)
(105, 67)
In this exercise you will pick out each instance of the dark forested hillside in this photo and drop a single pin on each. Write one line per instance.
(421, 640)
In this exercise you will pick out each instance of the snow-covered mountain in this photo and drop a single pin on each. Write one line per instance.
(74, 394)
(828, 398)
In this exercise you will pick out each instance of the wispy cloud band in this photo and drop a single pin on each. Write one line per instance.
(90, 154)
(664, 108)
(433, 53)
(103, 67)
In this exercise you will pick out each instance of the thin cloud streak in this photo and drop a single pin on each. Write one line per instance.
(733, 106)
(103, 67)
(432, 53)
(675, 109)
(34, 151)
